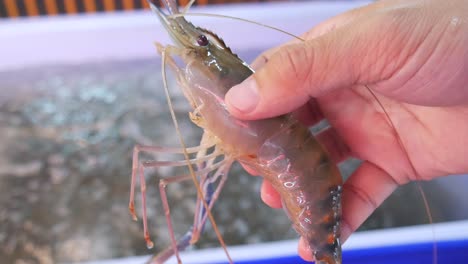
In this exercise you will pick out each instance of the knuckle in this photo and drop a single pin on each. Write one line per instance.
(295, 58)
(362, 195)
(295, 65)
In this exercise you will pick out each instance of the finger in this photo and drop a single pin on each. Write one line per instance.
(270, 196)
(304, 250)
(250, 170)
(321, 29)
(363, 192)
(334, 145)
(317, 31)
(309, 114)
(363, 51)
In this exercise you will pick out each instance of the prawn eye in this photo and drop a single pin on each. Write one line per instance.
(202, 40)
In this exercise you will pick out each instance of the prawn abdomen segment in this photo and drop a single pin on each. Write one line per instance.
(310, 187)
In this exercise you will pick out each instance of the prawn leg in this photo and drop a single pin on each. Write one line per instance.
(207, 183)
(205, 163)
(155, 150)
(183, 82)
(140, 170)
(193, 234)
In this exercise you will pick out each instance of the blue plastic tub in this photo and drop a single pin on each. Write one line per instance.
(447, 252)
(407, 245)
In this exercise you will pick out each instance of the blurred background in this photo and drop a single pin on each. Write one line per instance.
(80, 85)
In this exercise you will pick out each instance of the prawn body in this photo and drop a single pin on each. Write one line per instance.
(280, 148)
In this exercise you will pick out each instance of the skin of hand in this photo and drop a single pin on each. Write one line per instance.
(413, 55)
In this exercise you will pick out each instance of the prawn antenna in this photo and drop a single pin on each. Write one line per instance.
(238, 19)
(171, 5)
(187, 7)
(427, 208)
(187, 158)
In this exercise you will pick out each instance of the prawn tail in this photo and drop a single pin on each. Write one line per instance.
(330, 253)
(329, 250)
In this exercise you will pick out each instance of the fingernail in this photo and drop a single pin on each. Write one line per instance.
(346, 231)
(244, 97)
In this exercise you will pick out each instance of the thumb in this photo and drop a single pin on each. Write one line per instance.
(367, 50)
(284, 83)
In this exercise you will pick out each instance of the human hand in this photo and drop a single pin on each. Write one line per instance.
(413, 55)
